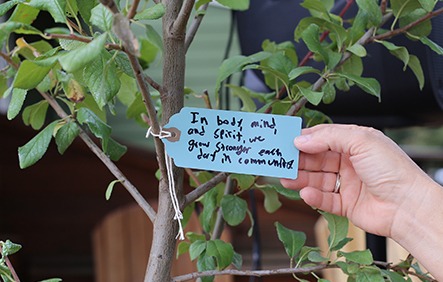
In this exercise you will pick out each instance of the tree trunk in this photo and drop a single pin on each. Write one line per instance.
(165, 226)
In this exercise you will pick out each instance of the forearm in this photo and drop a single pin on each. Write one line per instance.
(419, 227)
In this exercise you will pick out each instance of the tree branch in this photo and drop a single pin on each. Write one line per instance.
(181, 21)
(195, 25)
(133, 11)
(404, 29)
(205, 187)
(256, 273)
(150, 212)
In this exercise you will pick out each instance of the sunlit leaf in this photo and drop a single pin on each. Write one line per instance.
(5, 7)
(338, 229)
(360, 257)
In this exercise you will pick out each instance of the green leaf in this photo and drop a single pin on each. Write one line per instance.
(358, 50)
(102, 79)
(10, 248)
(115, 150)
(152, 13)
(182, 248)
(222, 251)
(398, 51)
(3, 85)
(5, 7)
(24, 13)
(427, 5)
(95, 124)
(292, 240)
(239, 5)
(392, 276)
(196, 249)
(17, 27)
(204, 263)
(287, 193)
(233, 209)
(314, 97)
(52, 280)
(244, 181)
(369, 274)
(401, 7)
(35, 115)
(235, 64)
(29, 75)
(85, 7)
(244, 94)
(278, 65)
(372, 9)
(431, 44)
(34, 150)
(415, 65)
(101, 17)
(78, 58)
(271, 203)
(311, 37)
(420, 30)
(16, 103)
(369, 85)
(361, 257)
(153, 36)
(66, 135)
(55, 7)
(338, 229)
(298, 71)
(329, 93)
(237, 260)
(316, 257)
(110, 188)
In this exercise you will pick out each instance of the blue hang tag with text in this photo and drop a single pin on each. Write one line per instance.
(236, 142)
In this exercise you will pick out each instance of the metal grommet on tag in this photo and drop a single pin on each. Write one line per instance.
(175, 134)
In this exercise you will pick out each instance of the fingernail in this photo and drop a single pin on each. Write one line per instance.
(302, 139)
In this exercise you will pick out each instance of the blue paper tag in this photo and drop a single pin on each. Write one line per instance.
(236, 142)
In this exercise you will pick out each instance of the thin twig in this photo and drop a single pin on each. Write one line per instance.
(152, 112)
(8, 60)
(407, 27)
(133, 11)
(80, 39)
(220, 222)
(192, 175)
(195, 25)
(205, 187)
(256, 273)
(150, 212)
(10, 267)
(181, 21)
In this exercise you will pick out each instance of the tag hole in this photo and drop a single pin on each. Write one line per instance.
(175, 134)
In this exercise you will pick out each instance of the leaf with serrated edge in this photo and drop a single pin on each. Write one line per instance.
(78, 58)
(34, 150)
(16, 103)
(338, 229)
(55, 7)
(222, 251)
(66, 135)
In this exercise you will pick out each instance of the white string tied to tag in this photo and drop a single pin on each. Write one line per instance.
(178, 214)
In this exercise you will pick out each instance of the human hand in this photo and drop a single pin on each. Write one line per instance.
(378, 180)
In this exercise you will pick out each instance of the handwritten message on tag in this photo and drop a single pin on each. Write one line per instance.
(237, 142)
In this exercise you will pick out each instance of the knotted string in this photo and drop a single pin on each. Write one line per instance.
(178, 214)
